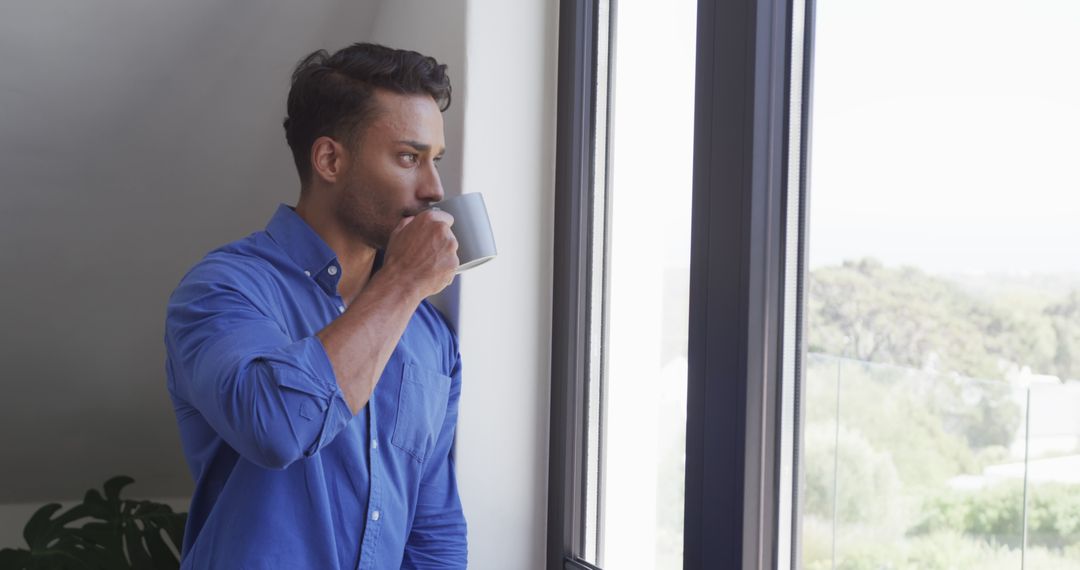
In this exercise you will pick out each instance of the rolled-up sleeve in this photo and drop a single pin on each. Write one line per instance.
(272, 398)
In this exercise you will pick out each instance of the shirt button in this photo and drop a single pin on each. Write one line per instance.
(374, 443)
(375, 515)
(332, 270)
(341, 309)
(308, 273)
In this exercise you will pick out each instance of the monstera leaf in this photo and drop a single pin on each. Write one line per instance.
(103, 533)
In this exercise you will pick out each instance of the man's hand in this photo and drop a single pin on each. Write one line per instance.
(421, 257)
(422, 252)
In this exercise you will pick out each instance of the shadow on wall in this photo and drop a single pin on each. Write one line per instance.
(135, 139)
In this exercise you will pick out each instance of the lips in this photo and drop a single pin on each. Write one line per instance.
(411, 213)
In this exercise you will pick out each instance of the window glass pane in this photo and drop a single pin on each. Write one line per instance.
(650, 149)
(597, 278)
(942, 380)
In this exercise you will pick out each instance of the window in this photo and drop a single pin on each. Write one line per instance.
(639, 309)
(900, 389)
(678, 257)
(944, 287)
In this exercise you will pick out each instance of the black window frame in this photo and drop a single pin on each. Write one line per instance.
(570, 292)
(739, 228)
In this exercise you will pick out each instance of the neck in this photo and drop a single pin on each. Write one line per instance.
(355, 257)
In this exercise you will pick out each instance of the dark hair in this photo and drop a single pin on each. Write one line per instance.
(333, 95)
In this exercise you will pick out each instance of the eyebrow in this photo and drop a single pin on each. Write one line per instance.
(420, 146)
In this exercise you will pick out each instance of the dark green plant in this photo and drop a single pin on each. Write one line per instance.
(102, 533)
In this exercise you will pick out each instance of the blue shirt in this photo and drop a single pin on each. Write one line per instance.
(285, 475)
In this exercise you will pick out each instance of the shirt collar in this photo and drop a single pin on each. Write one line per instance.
(305, 247)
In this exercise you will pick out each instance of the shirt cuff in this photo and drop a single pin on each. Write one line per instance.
(323, 399)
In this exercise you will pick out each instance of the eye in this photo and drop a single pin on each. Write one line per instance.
(438, 159)
(408, 158)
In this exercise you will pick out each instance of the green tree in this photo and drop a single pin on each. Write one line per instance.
(866, 479)
(1065, 320)
(868, 312)
(865, 311)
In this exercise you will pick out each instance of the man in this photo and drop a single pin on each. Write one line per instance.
(315, 389)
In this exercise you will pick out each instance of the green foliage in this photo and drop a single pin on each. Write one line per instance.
(862, 549)
(894, 411)
(996, 515)
(866, 311)
(914, 371)
(866, 479)
(1065, 320)
(1054, 515)
(985, 413)
(114, 533)
(859, 548)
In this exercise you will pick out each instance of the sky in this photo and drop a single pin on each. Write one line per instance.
(945, 135)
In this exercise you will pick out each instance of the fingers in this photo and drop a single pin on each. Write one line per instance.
(438, 216)
(401, 224)
(424, 249)
(453, 274)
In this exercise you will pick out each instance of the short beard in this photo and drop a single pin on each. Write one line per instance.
(359, 222)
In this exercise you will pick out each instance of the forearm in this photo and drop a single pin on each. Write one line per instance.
(359, 342)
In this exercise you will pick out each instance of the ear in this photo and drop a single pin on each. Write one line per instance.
(328, 160)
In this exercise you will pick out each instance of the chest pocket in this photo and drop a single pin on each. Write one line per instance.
(421, 410)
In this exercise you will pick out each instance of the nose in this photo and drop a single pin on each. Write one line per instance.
(431, 189)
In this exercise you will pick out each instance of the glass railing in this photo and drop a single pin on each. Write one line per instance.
(914, 469)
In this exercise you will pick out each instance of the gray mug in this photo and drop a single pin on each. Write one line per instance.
(472, 228)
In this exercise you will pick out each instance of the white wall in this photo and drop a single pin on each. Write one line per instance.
(506, 303)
